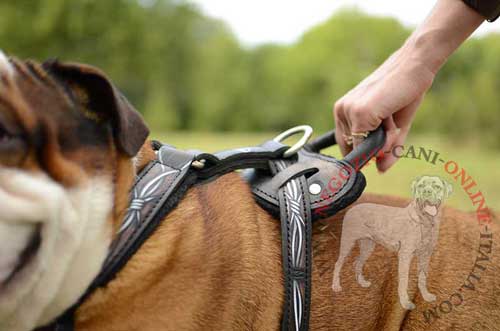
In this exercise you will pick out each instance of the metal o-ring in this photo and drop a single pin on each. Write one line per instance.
(306, 129)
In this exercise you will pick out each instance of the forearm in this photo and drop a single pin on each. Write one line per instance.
(391, 95)
(448, 25)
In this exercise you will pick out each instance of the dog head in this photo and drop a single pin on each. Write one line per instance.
(429, 193)
(67, 137)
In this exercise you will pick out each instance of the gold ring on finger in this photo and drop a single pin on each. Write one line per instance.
(348, 139)
(360, 134)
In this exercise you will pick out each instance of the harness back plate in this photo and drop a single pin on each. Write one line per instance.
(297, 190)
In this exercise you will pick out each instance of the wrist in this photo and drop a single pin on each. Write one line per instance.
(428, 49)
(449, 24)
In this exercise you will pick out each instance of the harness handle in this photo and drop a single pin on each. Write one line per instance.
(358, 157)
(324, 141)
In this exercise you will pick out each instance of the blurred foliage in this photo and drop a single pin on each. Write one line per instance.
(184, 70)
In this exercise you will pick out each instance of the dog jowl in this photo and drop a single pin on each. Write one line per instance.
(410, 232)
(66, 140)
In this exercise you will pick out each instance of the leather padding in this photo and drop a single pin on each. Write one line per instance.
(340, 184)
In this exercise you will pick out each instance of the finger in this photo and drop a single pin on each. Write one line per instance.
(390, 158)
(357, 140)
(391, 134)
(362, 120)
(405, 117)
(342, 129)
(403, 120)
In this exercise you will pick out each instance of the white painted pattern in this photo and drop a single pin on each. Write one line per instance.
(297, 224)
(139, 199)
(5, 66)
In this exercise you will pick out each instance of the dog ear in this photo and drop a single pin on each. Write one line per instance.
(93, 89)
(448, 188)
(414, 185)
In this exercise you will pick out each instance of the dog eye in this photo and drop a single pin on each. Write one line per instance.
(437, 187)
(4, 135)
(13, 148)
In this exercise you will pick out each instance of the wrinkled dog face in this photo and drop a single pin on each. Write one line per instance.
(64, 130)
(429, 193)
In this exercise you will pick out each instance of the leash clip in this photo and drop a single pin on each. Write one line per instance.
(307, 133)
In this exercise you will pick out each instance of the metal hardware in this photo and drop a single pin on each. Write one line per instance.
(315, 189)
(198, 164)
(307, 133)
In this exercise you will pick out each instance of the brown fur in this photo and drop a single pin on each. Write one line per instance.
(215, 264)
(215, 261)
(42, 117)
(38, 111)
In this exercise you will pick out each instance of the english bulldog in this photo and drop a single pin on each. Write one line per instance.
(411, 231)
(70, 147)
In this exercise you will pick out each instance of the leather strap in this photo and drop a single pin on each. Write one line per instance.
(156, 191)
(151, 190)
(280, 185)
(337, 182)
(156, 185)
(241, 158)
(296, 229)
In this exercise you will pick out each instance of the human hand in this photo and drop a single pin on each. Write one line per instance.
(391, 95)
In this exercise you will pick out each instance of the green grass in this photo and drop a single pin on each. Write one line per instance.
(480, 163)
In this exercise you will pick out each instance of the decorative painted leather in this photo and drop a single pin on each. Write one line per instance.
(296, 233)
(282, 186)
(338, 181)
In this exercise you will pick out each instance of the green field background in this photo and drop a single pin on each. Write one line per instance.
(481, 163)
(188, 73)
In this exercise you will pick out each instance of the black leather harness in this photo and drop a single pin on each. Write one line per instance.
(302, 187)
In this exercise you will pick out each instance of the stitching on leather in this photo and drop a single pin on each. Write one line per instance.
(142, 175)
(288, 248)
(141, 226)
(306, 278)
(161, 198)
(313, 201)
(168, 165)
(269, 195)
(336, 163)
(137, 181)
